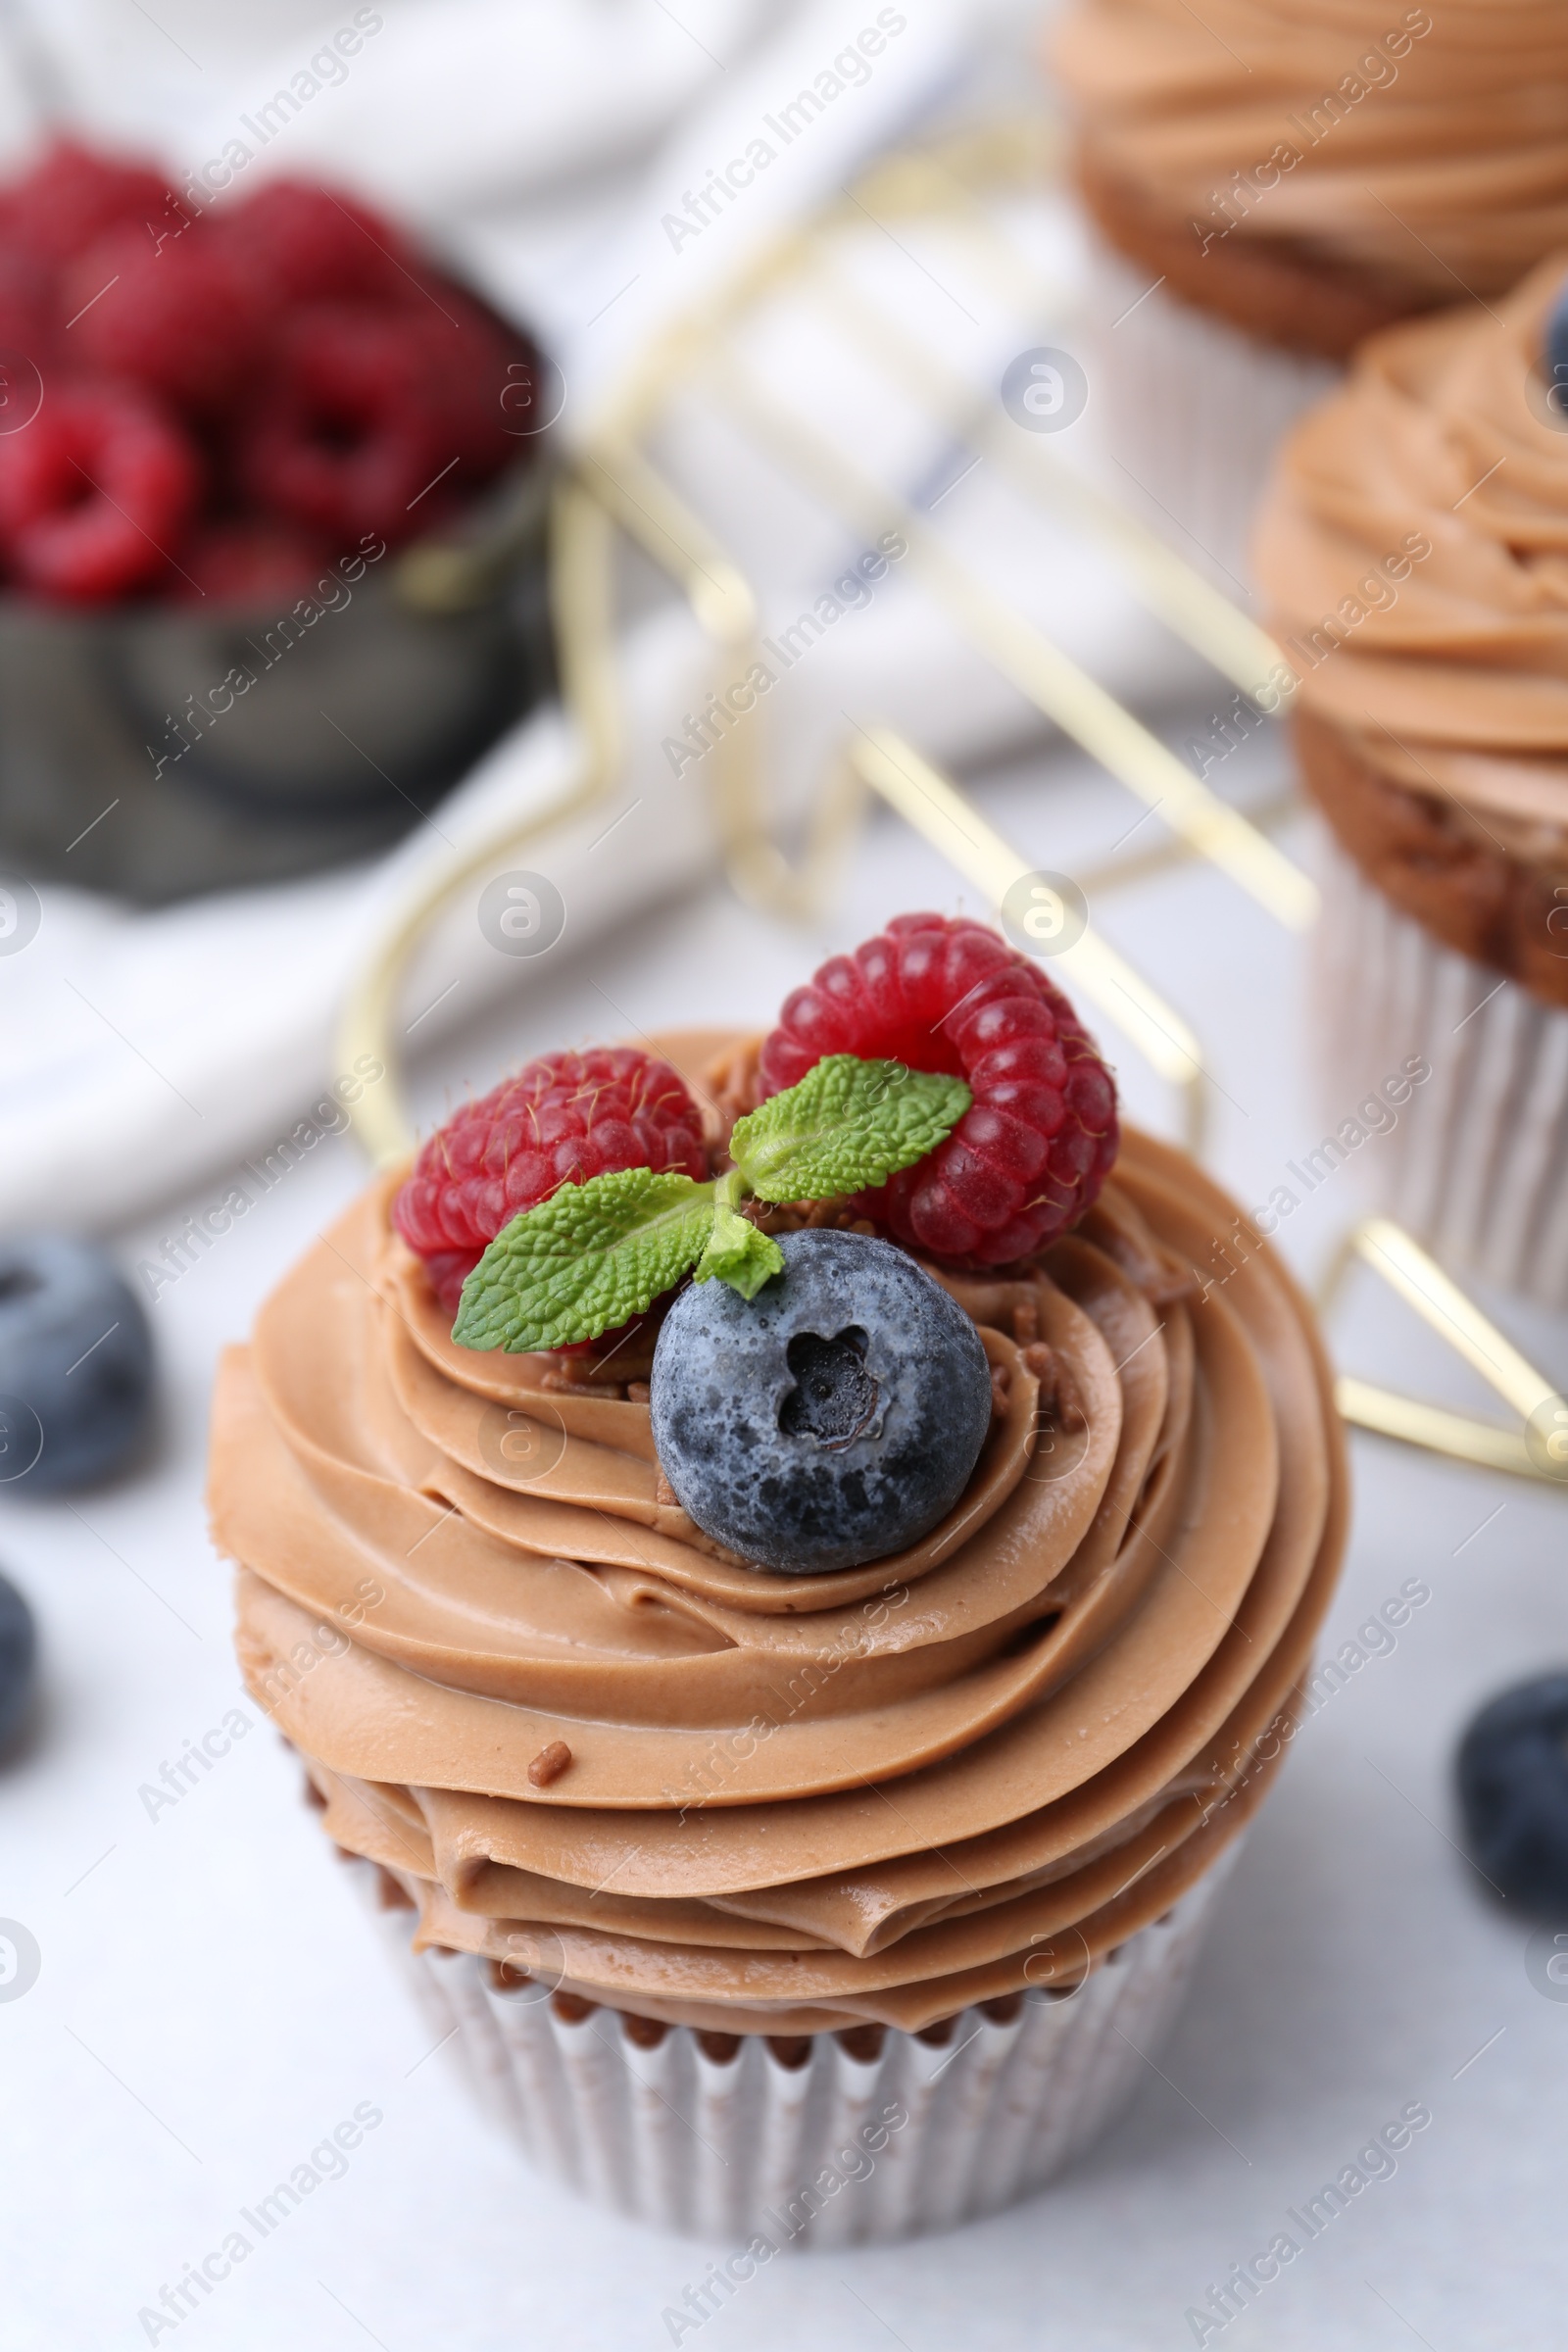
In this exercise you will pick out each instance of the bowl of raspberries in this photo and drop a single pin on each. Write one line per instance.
(272, 502)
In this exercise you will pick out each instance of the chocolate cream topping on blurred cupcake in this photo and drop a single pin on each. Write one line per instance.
(1313, 172)
(1290, 177)
(1413, 549)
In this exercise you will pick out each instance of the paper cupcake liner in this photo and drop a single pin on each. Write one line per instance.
(1189, 413)
(1477, 1166)
(720, 2138)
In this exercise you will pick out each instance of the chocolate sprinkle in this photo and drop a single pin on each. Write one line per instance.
(548, 1764)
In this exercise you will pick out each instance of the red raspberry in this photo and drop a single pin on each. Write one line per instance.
(478, 354)
(178, 319)
(358, 425)
(248, 563)
(71, 195)
(94, 494)
(562, 1118)
(26, 316)
(1028, 1157)
(299, 244)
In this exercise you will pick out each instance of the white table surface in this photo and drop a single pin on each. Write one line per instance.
(213, 2000)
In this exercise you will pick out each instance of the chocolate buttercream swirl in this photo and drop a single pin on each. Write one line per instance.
(1427, 148)
(792, 1802)
(1447, 671)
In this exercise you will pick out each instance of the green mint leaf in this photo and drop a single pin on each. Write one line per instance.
(739, 1253)
(846, 1128)
(588, 1258)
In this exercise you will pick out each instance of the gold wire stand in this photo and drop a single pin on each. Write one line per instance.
(943, 183)
(613, 484)
(1537, 1448)
(613, 481)
(580, 570)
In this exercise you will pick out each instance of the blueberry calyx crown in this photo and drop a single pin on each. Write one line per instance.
(593, 1256)
(835, 1399)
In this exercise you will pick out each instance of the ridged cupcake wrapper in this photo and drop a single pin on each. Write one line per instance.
(1189, 412)
(1478, 1165)
(840, 2150)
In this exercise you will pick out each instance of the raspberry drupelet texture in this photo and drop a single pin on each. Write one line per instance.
(1029, 1156)
(71, 195)
(301, 243)
(561, 1120)
(179, 320)
(94, 493)
(312, 380)
(376, 419)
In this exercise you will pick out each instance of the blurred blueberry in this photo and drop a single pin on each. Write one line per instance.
(1512, 1775)
(76, 1364)
(1554, 356)
(18, 1648)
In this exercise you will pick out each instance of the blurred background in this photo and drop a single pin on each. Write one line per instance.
(747, 384)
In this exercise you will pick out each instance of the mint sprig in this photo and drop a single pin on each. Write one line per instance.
(595, 1254)
(738, 1251)
(589, 1258)
(846, 1128)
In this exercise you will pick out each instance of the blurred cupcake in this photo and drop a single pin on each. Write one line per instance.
(1413, 552)
(795, 1737)
(1270, 181)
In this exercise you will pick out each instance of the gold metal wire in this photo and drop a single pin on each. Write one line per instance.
(1051, 680)
(933, 805)
(878, 760)
(613, 481)
(581, 596)
(944, 182)
(1390, 1254)
(1200, 614)
(614, 484)
(651, 514)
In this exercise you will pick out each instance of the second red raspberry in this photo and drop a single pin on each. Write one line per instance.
(1029, 1156)
(561, 1120)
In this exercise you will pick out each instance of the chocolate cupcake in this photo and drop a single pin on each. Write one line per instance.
(806, 1854)
(1413, 549)
(1271, 182)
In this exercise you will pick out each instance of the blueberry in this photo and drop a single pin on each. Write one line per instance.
(834, 1418)
(18, 1646)
(1513, 1794)
(1554, 355)
(76, 1364)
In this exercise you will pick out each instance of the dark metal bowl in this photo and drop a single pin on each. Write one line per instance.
(133, 761)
